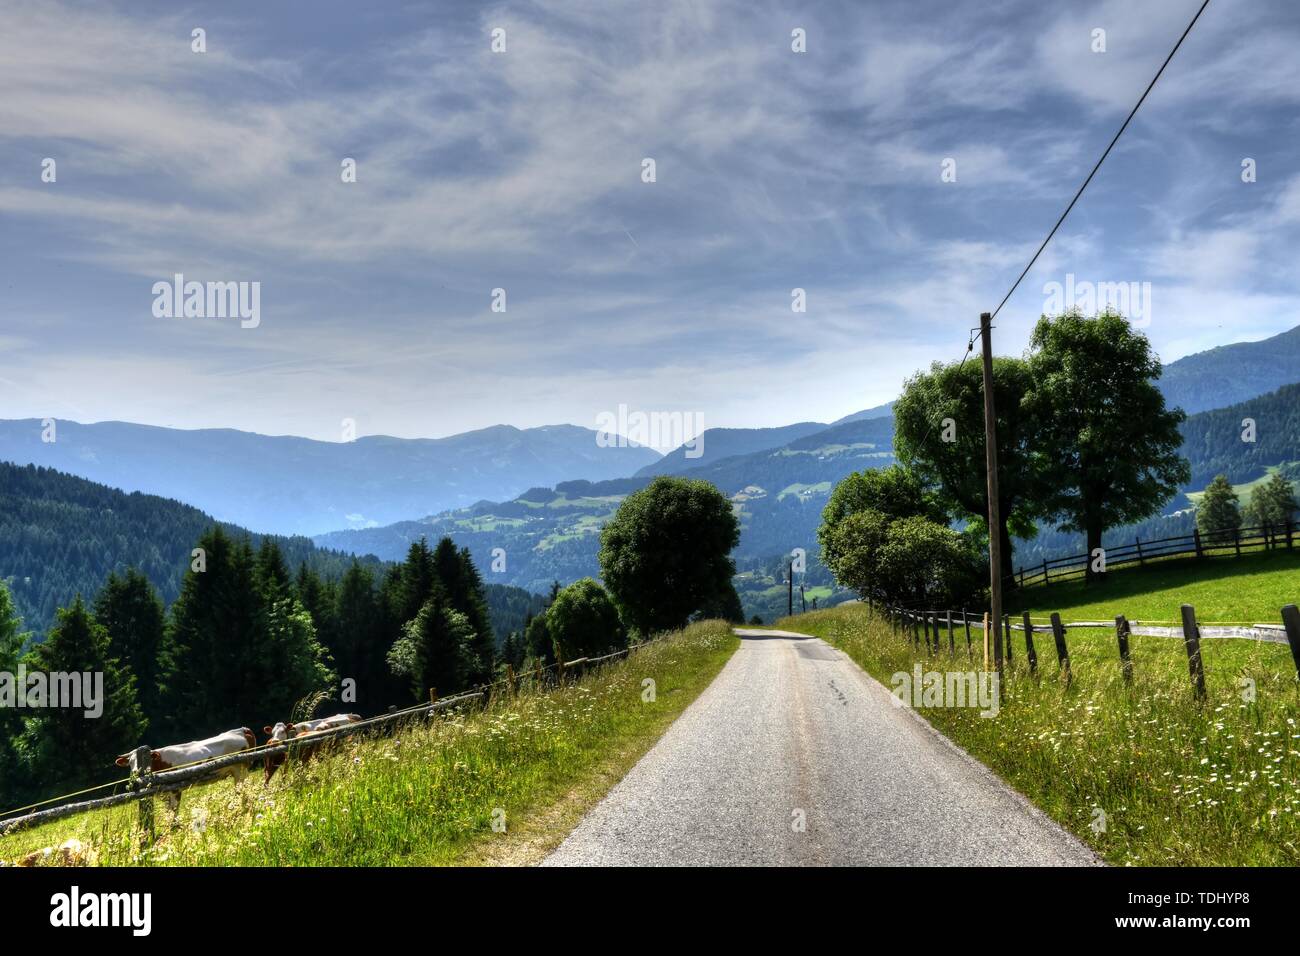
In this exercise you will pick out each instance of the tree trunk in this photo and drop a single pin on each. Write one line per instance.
(1008, 569)
(1094, 542)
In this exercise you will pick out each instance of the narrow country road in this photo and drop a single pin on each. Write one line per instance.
(793, 730)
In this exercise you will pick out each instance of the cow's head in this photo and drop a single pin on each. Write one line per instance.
(141, 758)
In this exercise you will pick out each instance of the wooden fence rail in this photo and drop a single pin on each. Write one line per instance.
(147, 785)
(1190, 631)
(1254, 539)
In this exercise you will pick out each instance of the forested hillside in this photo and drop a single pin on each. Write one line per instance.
(61, 536)
(1216, 441)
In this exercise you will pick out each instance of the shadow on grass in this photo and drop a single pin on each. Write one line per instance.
(1140, 581)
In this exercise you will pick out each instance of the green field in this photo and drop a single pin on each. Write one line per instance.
(427, 795)
(1224, 589)
(1180, 783)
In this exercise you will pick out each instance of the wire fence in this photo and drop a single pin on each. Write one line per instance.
(1237, 541)
(143, 786)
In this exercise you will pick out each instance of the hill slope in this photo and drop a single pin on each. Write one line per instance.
(1232, 373)
(290, 485)
(61, 535)
(719, 443)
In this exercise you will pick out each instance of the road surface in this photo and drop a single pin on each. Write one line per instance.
(793, 732)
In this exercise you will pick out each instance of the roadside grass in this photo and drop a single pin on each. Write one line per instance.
(427, 794)
(1223, 589)
(1179, 783)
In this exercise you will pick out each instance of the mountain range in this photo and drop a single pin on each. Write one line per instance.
(290, 485)
(542, 494)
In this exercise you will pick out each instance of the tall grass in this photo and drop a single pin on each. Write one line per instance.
(1176, 782)
(430, 793)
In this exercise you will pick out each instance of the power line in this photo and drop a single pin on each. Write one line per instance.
(1113, 141)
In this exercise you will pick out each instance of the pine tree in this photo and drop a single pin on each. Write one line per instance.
(272, 572)
(62, 745)
(130, 611)
(318, 597)
(436, 649)
(212, 642)
(1217, 515)
(359, 647)
(464, 589)
(240, 648)
(12, 640)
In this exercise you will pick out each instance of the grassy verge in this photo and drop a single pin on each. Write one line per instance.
(1179, 783)
(428, 794)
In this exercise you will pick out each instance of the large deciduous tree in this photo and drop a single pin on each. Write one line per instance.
(583, 621)
(665, 554)
(1114, 446)
(939, 434)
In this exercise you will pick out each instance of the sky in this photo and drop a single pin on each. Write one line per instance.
(523, 170)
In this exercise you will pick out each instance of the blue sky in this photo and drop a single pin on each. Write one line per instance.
(522, 170)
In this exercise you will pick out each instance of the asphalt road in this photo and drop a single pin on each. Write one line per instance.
(793, 731)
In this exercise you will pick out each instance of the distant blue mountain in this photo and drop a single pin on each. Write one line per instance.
(289, 485)
(719, 443)
(1232, 373)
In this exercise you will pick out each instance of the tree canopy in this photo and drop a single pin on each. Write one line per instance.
(666, 552)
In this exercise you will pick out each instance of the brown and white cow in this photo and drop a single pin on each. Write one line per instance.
(179, 755)
(284, 731)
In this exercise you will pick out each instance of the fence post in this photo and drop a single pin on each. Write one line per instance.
(1006, 626)
(1192, 640)
(1045, 580)
(986, 640)
(1029, 644)
(1288, 534)
(510, 678)
(1196, 536)
(1062, 652)
(1122, 635)
(1291, 620)
(952, 640)
(1236, 540)
(966, 621)
(144, 806)
(1137, 541)
(916, 631)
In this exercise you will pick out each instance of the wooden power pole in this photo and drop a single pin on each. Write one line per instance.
(790, 591)
(991, 462)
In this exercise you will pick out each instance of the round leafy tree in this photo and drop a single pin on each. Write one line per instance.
(665, 553)
(583, 621)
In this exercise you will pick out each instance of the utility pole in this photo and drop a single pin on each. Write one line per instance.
(991, 463)
(790, 591)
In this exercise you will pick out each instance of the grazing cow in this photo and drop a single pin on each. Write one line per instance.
(327, 723)
(178, 755)
(285, 731)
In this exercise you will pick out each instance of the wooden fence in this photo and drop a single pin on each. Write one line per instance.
(143, 787)
(1242, 540)
(932, 626)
